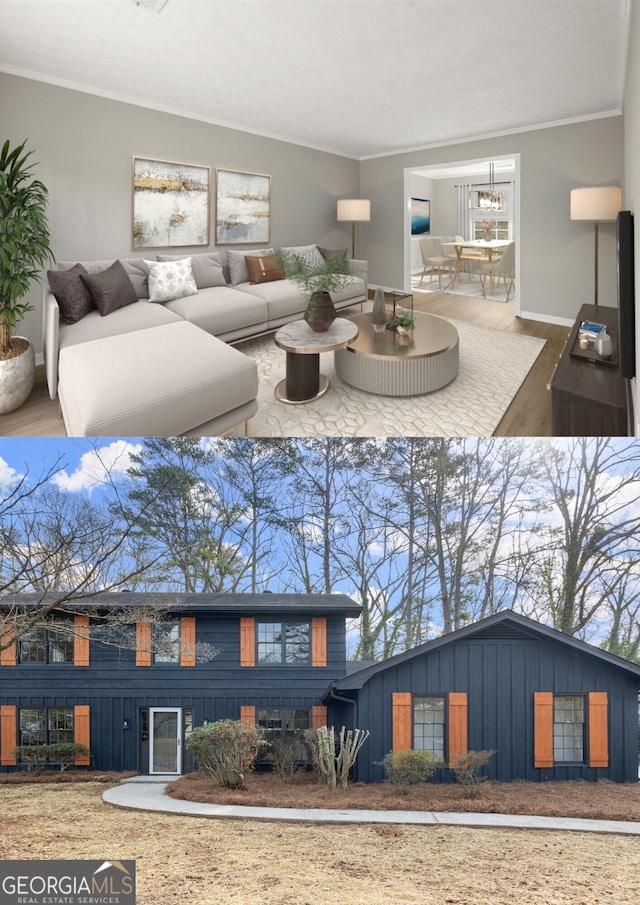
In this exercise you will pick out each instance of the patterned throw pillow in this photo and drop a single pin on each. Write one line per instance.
(170, 280)
(311, 259)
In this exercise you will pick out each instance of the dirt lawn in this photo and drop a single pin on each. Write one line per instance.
(216, 862)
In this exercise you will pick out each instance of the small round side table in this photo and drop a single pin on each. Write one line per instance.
(303, 381)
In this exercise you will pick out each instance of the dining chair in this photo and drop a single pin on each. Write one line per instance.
(504, 266)
(433, 258)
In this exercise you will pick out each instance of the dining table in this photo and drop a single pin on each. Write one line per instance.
(486, 246)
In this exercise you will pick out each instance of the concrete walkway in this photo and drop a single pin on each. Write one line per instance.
(147, 793)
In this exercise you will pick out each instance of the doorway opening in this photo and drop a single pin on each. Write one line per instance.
(469, 198)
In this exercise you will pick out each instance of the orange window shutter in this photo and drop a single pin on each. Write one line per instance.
(318, 716)
(319, 642)
(80, 640)
(543, 729)
(188, 641)
(8, 651)
(8, 734)
(248, 715)
(457, 736)
(247, 641)
(598, 729)
(401, 719)
(82, 732)
(143, 644)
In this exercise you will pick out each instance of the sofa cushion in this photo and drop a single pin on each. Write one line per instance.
(220, 310)
(237, 265)
(264, 268)
(125, 320)
(111, 289)
(353, 288)
(73, 297)
(121, 386)
(207, 268)
(170, 280)
(283, 299)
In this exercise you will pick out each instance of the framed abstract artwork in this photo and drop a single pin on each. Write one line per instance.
(243, 207)
(170, 204)
(420, 216)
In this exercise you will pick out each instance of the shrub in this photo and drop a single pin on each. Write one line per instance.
(284, 757)
(408, 768)
(226, 750)
(62, 754)
(467, 766)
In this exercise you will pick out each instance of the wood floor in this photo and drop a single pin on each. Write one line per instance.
(529, 415)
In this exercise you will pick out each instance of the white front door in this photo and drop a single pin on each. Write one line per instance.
(165, 740)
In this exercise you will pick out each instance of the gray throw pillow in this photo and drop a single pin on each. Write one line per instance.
(111, 289)
(339, 254)
(73, 298)
(206, 267)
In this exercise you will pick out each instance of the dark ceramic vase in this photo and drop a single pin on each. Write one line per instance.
(320, 313)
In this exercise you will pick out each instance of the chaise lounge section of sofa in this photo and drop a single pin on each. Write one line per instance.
(124, 360)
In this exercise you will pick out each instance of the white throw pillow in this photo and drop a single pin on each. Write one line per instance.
(170, 280)
(311, 259)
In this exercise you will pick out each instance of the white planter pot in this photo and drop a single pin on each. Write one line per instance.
(16, 379)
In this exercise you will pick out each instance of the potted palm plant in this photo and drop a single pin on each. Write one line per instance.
(317, 278)
(24, 250)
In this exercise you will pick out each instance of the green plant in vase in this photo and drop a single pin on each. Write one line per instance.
(24, 250)
(403, 323)
(317, 277)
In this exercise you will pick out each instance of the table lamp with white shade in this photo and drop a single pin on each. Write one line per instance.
(357, 210)
(598, 204)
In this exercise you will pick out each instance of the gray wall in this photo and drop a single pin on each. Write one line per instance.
(84, 147)
(631, 194)
(556, 254)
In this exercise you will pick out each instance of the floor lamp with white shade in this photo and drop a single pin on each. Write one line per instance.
(599, 204)
(357, 210)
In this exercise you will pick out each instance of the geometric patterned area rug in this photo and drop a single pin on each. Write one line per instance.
(493, 365)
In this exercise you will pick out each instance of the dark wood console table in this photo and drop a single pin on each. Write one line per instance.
(588, 398)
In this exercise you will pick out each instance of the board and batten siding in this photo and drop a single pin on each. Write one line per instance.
(117, 684)
(501, 678)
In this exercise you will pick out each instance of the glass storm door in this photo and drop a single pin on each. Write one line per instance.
(165, 742)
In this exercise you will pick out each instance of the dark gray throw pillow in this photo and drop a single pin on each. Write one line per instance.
(340, 254)
(72, 296)
(111, 289)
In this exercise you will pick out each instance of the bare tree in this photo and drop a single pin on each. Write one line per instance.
(590, 547)
(58, 549)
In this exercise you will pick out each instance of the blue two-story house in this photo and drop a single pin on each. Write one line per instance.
(132, 690)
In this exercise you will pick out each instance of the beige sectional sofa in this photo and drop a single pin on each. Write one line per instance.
(124, 362)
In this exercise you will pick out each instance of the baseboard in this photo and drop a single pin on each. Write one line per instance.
(547, 318)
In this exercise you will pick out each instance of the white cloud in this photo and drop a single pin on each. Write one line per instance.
(97, 467)
(8, 475)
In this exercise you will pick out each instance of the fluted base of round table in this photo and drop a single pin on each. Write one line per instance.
(383, 365)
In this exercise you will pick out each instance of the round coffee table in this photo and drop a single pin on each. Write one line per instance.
(392, 365)
(303, 381)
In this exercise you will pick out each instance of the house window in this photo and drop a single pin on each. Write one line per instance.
(166, 642)
(45, 725)
(568, 728)
(51, 644)
(429, 724)
(284, 725)
(283, 642)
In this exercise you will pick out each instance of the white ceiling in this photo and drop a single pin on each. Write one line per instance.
(355, 77)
